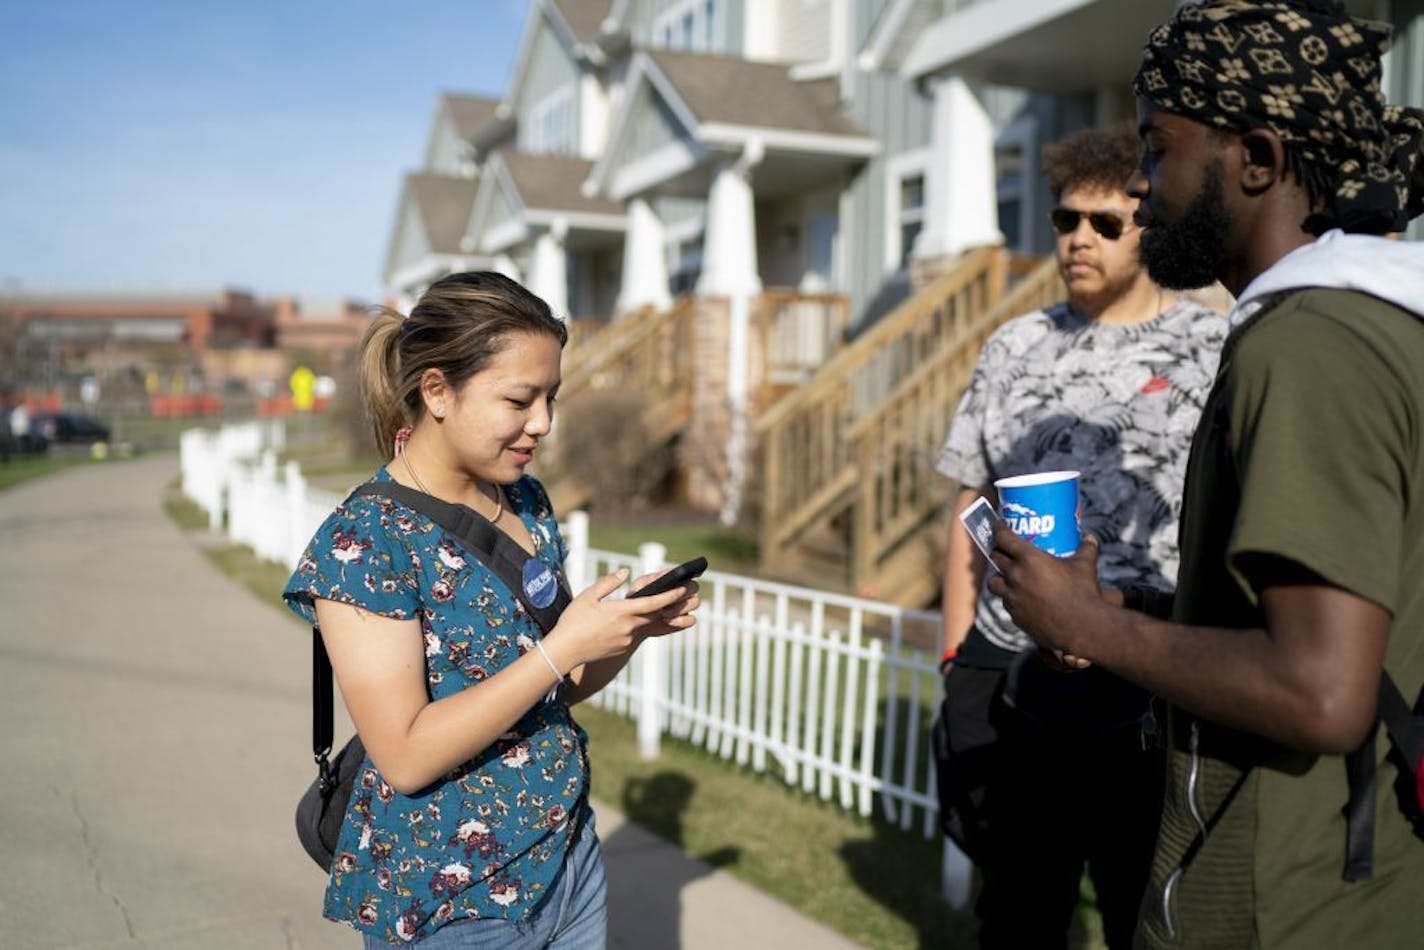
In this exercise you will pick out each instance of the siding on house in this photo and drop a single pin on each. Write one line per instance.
(446, 154)
(803, 30)
(727, 36)
(501, 210)
(550, 69)
(900, 118)
(650, 129)
(411, 244)
(1404, 68)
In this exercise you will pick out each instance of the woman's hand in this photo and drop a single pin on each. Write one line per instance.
(595, 628)
(676, 617)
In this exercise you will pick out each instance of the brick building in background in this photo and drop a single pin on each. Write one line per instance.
(137, 344)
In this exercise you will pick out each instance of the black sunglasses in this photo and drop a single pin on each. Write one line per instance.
(1107, 223)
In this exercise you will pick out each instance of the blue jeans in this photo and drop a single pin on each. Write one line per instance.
(573, 916)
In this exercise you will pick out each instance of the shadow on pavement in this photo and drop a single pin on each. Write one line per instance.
(644, 896)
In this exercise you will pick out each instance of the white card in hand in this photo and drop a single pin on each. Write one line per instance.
(980, 519)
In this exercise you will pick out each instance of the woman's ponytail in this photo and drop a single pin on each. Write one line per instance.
(380, 379)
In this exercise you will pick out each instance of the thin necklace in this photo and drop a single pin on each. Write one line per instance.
(498, 494)
(405, 457)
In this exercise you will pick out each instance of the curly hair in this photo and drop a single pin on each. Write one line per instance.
(1099, 157)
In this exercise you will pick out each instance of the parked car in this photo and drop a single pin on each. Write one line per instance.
(12, 446)
(71, 427)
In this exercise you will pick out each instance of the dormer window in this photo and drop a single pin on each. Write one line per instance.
(689, 25)
(551, 124)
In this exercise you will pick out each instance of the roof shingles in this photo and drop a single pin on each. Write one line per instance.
(553, 183)
(469, 113)
(722, 89)
(444, 205)
(584, 17)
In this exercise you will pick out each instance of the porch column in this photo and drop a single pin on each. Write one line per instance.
(729, 269)
(549, 272)
(961, 206)
(645, 272)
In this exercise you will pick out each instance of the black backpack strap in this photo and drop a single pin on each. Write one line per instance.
(495, 549)
(1359, 811)
(1406, 732)
(1406, 729)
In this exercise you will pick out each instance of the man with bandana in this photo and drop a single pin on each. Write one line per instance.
(1273, 164)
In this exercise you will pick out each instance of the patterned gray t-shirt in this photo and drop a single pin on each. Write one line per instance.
(1119, 403)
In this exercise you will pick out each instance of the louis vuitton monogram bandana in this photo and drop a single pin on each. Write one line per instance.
(1310, 73)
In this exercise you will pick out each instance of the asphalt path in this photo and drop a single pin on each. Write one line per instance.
(155, 729)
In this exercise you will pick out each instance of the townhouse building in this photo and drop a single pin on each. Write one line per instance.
(788, 225)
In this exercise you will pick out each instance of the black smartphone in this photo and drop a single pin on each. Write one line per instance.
(674, 578)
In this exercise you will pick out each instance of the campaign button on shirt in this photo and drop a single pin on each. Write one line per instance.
(540, 585)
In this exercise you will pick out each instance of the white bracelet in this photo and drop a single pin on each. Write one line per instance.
(558, 677)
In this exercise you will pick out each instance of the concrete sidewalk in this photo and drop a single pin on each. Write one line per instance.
(157, 734)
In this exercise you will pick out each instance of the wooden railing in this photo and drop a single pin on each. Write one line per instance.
(597, 350)
(808, 469)
(798, 333)
(646, 351)
(898, 493)
(583, 330)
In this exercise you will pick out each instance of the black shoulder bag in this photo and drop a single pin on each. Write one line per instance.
(322, 807)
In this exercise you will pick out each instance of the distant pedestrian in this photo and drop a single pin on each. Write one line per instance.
(470, 823)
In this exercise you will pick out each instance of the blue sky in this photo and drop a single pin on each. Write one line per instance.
(252, 143)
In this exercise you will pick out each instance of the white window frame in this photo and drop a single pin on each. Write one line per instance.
(689, 25)
(897, 169)
(551, 123)
(1022, 135)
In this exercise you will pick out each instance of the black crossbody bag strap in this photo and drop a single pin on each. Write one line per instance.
(495, 549)
(323, 704)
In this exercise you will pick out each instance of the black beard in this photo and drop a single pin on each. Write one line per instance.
(1190, 253)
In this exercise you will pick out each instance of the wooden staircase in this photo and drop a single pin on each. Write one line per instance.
(848, 487)
(652, 353)
(646, 351)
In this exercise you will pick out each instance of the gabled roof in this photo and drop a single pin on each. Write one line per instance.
(536, 191)
(552, 183)
(729, 104)
(895, 30)
(584, 18)
(443, 204)
(468, 113)
(733, 91)
(576, 24)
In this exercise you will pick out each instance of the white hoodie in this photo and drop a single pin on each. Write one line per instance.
(1390, 270)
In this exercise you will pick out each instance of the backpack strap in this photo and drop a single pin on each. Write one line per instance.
(1406, 733)
(1405, 727)
(1360, 773)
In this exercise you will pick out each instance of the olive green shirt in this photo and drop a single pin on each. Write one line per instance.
(1310, 448)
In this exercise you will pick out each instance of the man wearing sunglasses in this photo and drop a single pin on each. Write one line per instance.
(1043, 772)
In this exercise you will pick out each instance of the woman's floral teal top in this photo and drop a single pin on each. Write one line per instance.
(488, 839)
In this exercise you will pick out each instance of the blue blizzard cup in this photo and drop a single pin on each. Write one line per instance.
(1043, 509)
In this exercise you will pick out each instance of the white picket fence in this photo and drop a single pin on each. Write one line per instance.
(817, 687)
